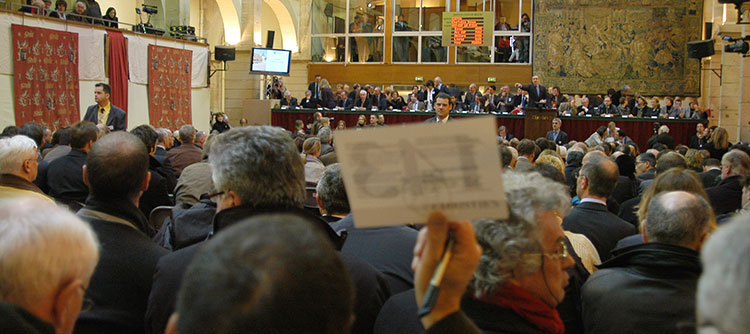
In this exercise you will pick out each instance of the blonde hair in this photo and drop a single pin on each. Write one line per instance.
(551, 157)
(311, 145)
(720, 138)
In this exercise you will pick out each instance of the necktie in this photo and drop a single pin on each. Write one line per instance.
(537, 91)
(101, 116)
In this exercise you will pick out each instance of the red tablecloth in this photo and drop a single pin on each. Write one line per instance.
(577, 128)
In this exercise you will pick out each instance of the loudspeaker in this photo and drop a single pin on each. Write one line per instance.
(700, 49)
(269, 39)
(223, 53)
(708, 29)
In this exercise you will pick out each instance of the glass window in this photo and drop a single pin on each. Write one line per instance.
(405, 49)
(433, 50)
(432, 15)
(473, 54)
(366, 49)
(365, 17)
(328, 49)
(506, 15)
(406, 15)
(328, 16)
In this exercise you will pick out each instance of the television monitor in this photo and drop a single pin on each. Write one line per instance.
(270, 61)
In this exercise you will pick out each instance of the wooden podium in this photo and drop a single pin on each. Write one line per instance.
(537, 121)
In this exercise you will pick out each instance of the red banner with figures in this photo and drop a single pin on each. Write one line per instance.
(169, 77)
(45, 71)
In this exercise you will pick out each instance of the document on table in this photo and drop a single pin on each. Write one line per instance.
(399, 174)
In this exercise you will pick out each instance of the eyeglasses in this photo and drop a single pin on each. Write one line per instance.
(560, 254)
(87, 304)
(213, 195)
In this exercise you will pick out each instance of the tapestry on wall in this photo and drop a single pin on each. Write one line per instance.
(169, 77)
(45, 76)
(588, 46)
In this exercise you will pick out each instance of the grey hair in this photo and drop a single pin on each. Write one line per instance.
(722, 299)
(14, 151)
(163, 134)
(325, 135)
(42, 247)
(260, 164)
(507, 244)
(678, 218)
(332, 192)
(663, 129)
(187, 134)
(738, 160)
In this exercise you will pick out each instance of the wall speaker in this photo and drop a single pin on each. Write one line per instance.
(700, 49)
(223, 53)
(269, 39)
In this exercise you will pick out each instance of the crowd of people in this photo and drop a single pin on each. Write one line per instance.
(507, 99)
(258, 235)
(86, 11)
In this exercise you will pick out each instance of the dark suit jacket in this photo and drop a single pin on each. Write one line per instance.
(157, 193)
(562, 138)
(367, 104)
(182, 156)
(380, 101)
(311, 87)
(312, 103)
(393, 261)
(708, 178)
(663, 138)
(726, 196)
(65, 177)
(602, 227)
(291, 103)
(533, 96)
(468, 101)
(122, 280)
(117, 120)
(434, 119)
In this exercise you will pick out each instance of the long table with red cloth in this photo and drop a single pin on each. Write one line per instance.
(577, 128)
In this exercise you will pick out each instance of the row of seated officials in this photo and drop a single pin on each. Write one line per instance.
(249, 248)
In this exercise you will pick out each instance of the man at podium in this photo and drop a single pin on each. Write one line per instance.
(537, 93)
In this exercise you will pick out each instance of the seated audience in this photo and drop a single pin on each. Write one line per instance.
(718, 143)
(47, 256)
(596, 182)
(220, 125)
(79, 13)
(525, 155)
(331, 195)
(187, 153)
(266, 274)
(313, 167)
(631, 290)
(521, 276)
(60, 144)
(111, 17)
(157, 193)
(726, 196)
(60, 7)
(724, 286)
(18, 168)
(711, 174)
(65, 175)
(116, 172)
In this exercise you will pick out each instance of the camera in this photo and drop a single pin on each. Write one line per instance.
(740, 45)
(150, 9)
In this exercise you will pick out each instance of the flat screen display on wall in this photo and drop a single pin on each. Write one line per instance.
(270, 61)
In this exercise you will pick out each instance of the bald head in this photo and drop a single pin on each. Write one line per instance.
(595, 154)
(598, 177)
(116, 167)
(678, 218)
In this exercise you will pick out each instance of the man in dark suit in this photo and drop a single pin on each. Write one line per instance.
(591, 218)
(379, 100)
(645, 166)
(314, 87)
(726, 196)
(492, 99)
(556, 135)
(187, 153)
(233, 166)
(158, 190)
(439, 87)
(65, 174)
(520, 100)
(443, 106)
(502, 133)
(428, 94)
(363, 102)
(104, 112)
(711, 172)
(117, 173)
(537, 92)
(470, 97)
(345, 102)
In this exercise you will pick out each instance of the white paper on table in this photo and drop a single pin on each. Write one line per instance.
(398, 175)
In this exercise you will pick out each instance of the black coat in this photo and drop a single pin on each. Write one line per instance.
(15, 319)
(393, 261)
(122, 279)
(662, 138)
(709, 177)
(602, 227)
(628, 211)
(625, 189)
(157, 193)
(380, 101)
(562, 137)
(65, 177)
(310, 103)
(370, 286)
(117, 120)
(534, 97)
(726, 196)
(647, 288)
(697, 143)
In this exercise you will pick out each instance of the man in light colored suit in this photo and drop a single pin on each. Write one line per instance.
(525, 155)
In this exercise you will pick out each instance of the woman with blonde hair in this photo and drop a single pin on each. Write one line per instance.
(718, 144)
(551, 157)
(314, 169)
(694, 160)
(327, 99)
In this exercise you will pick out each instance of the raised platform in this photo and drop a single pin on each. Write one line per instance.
(577, 128)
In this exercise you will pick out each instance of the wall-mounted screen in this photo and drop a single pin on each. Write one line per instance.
(270, 61)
